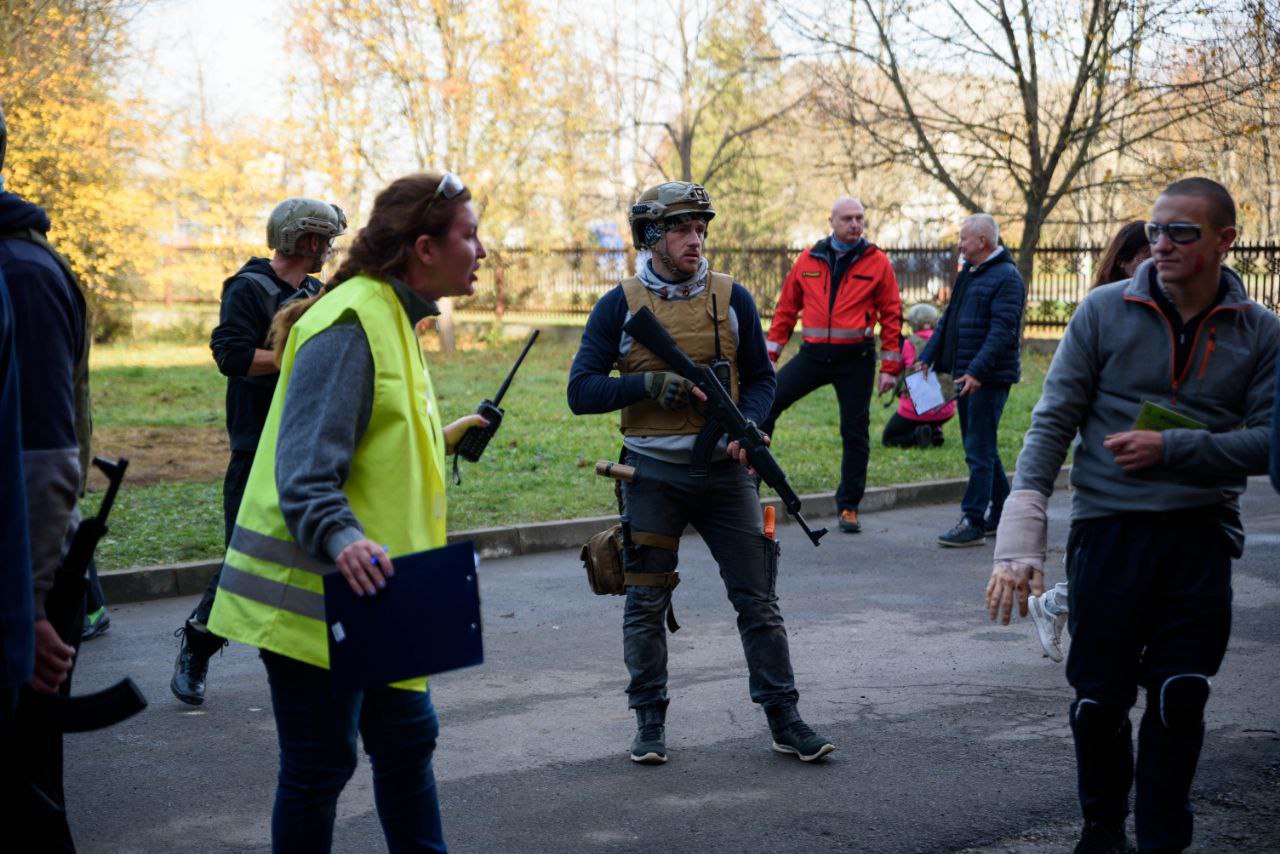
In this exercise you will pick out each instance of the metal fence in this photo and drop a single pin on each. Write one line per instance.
(565, 283)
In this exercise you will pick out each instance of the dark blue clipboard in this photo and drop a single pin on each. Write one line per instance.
(426, 620)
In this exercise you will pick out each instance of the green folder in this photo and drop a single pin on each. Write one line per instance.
(1153, 416)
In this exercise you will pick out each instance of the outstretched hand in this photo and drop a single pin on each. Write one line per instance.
(1009, 581)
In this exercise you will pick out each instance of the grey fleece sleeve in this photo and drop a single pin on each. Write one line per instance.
(52, 479)
(1068, 390)
(1237, 453)
(326, 411)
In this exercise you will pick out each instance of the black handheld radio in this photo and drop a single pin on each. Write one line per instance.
(476, 439)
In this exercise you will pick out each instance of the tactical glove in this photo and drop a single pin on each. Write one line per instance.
(670, 390)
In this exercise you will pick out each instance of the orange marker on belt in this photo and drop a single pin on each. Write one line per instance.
(769, 521)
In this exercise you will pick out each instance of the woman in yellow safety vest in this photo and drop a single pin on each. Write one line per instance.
(351, 469)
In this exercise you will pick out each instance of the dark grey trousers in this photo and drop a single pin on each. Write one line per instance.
(724, 508)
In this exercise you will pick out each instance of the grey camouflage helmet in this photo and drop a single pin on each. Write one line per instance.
(293, 218)
(674, 199)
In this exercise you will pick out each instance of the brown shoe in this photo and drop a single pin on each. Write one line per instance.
(849, 522)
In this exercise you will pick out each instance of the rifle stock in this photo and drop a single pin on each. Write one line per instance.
(645, 328)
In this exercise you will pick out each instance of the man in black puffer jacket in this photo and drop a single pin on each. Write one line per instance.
(979, 343)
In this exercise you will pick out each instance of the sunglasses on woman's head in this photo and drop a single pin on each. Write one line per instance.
(450, 187)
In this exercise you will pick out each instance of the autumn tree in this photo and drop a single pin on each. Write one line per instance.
(701, 95)
(75, 145)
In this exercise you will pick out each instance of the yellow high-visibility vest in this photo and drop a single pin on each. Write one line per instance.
(270, 594)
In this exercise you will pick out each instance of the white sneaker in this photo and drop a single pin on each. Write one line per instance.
(1048, 628)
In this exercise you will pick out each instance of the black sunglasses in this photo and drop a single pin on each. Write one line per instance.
(1179, 232)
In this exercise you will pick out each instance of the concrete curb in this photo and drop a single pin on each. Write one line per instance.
(188, 579)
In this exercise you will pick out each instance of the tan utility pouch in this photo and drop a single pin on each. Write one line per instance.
(602, 557)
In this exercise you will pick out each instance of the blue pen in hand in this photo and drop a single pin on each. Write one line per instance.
(390, 569)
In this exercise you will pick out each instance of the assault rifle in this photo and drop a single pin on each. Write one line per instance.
(723, 415)
(65, 609)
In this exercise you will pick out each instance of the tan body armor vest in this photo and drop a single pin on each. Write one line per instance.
(693, 325)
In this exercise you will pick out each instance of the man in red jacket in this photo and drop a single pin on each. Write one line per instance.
(844, 287)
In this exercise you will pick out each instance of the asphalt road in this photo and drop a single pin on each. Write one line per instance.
(951, 731)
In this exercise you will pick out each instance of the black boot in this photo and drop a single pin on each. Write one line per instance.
(192, 666)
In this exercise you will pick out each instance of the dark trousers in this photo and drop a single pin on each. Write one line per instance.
(979, 414)
(1150, 607)
(233, 486)
(900, 432)
(724, 508)
(33, 767)
(853, 375)
(316, 729)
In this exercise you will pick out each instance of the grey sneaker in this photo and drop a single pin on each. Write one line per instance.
(1048, 627)
(649, 746)
(965, 533)
(798, 739)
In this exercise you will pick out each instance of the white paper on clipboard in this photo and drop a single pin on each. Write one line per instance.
(926, 393)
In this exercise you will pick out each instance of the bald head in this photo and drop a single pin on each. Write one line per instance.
(848, 219)
(979, 236)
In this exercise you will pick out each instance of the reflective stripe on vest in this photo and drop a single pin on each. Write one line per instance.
(273, 594)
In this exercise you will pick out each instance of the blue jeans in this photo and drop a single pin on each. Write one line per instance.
(317, 733)
(724, 508)
(979, 416)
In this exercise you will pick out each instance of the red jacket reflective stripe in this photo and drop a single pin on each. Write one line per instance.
(868, 295)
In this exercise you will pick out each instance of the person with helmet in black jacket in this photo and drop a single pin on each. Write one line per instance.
(714, 320)
(301, 231)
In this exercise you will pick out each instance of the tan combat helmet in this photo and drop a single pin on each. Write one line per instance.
(293, 218)
(658, 207)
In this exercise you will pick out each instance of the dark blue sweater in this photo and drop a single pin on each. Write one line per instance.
(49, 338)
(592, 390)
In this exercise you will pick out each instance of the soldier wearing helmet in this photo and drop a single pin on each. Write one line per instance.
(301, 233)
(716, 322)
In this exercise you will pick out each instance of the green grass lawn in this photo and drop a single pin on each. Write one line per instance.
(538, 468)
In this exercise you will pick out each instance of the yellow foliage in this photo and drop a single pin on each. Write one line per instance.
(73, 147)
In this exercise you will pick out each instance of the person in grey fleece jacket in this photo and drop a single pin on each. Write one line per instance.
(1155, 516)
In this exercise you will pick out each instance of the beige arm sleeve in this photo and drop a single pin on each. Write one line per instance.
(1024, 529)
